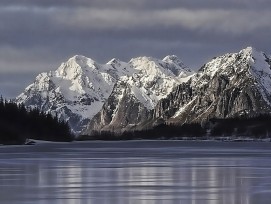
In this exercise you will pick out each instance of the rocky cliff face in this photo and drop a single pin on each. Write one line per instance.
(234, 84)
(231, 85)
(134, 97)
(122, 111)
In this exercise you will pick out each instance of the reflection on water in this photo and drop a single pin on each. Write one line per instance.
(72, 176)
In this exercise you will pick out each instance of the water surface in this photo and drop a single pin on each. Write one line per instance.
(136, 172)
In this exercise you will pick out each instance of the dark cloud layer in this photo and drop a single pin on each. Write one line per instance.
(37, 35)
(142, 4)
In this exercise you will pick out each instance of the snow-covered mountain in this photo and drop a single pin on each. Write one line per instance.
(133, 97)
(234, 84)
(230, 85)
(80, 87)
(145, 91)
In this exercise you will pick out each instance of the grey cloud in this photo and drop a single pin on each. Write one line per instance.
(37, 35)
(142, 4)
(95, 22)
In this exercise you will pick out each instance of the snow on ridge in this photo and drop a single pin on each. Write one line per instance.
(80, 86)
(248, 61)
(114, 61)
(227, 62)
(173, 59)
(167, 66)
(248, 50)
(155, 79)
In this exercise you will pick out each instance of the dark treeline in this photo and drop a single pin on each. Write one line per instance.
(18, 124)
(254, 127)
(162, 131)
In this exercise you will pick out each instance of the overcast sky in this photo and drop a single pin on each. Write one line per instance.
(37, 35)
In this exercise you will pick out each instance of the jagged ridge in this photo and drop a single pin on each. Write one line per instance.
(78, 89)
(230, 85)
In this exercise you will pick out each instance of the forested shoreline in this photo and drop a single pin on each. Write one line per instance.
(17, 124)
(257, 127)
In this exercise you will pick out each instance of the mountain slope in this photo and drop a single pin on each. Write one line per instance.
(134, 97)
(235, 84)
(78, 89)
(145, 91)
(230, 85)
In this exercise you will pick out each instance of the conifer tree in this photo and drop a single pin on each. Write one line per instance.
(18, 124)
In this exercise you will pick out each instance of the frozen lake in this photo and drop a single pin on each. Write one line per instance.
(161, 172)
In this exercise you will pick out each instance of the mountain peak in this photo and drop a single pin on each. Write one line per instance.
(177, 66)
(78, 57)
(75, 67)
(81, 60)
(249, 51)
(174, 59)
(114, 61)
(144, 59)
(249, 48)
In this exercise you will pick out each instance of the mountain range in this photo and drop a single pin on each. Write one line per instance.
(81, 87)
(144, 92)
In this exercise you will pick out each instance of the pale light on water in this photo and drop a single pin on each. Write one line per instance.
(136, 172)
